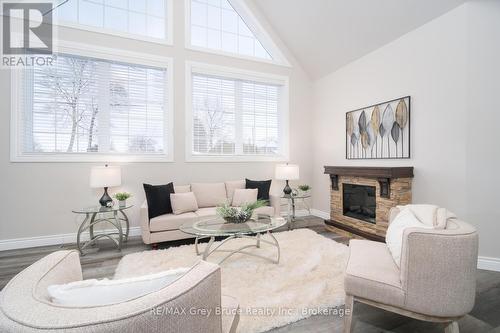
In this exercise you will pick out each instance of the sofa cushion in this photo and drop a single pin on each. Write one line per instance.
(209, 194)
(182, 188)
(244, 196)
(231, 186)
(171, 221)
(183, 202)
(94, 292)
(230, 317)
(158, 198)
(262, 185)
(372, 274)
(207, 211)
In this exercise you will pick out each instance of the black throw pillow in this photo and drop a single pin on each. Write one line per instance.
(262, 186)
(158, 198)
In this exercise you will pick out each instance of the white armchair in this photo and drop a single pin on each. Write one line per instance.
(25, 305)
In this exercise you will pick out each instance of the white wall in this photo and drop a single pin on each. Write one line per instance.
(36, 198)
(450, 68)
(483, 123)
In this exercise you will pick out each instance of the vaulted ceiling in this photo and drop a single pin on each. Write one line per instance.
(325, 35)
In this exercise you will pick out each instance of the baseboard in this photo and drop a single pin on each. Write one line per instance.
(320, 213)
(22, 243)
(488, 263)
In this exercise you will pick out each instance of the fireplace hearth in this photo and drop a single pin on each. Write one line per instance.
(359, 202)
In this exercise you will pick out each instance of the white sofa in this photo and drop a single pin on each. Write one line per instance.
(165, 228)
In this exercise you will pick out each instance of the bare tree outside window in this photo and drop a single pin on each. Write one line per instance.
(72, 86)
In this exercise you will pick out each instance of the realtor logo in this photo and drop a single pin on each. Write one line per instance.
(27, 28)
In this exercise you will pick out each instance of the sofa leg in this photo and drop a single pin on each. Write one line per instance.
(154, 246)
(349, 303)
(451, 328)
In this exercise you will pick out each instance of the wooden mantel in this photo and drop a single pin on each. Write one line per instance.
(382, 174)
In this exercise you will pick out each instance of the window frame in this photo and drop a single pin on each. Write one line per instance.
(254, 25)
(86, 50)
(169, 26)
(236, 73)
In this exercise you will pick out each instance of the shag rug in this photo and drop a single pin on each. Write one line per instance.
(309, 276)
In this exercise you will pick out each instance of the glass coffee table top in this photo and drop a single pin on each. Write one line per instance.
(216, 226)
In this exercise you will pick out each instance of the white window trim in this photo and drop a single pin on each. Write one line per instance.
(204, 68)
(169, 26)
(252, 22)
(16, 154)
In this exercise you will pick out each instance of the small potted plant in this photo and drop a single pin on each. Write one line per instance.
(122, 198)
(304, 189)
(239, 214)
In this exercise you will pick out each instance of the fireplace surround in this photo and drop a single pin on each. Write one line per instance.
(361, 197)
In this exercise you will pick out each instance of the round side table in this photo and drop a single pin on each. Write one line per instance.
(291, 206)
(99, 215)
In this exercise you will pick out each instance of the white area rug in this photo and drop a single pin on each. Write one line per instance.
(308, 276)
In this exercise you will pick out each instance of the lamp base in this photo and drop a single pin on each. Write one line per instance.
(105, 198)
(287, 190)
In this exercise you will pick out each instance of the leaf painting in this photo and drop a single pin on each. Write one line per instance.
(402, 120)
(375, 125)
(379, 131)
(395, 133)
(350, 130)
(362, 122)
(371, 137)
(387, 121)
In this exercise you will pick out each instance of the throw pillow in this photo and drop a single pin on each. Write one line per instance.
(394, 236)
(106, 292)
(244, 196)
(183, 202)
(209, 194)
(158, 198)
(263, 187)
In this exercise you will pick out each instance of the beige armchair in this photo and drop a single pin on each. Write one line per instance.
(25, 306)
(436, 282)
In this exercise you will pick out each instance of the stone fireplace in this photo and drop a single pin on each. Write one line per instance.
(361, 197)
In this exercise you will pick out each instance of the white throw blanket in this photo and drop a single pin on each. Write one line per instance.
(431, 215)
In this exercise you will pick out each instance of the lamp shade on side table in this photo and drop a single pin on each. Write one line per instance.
(105, 176)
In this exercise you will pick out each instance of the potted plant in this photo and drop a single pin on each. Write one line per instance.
(239, 214)
(305, 189)
(122, 198)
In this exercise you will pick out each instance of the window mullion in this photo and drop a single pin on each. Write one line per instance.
(238, 118)
(104, 104)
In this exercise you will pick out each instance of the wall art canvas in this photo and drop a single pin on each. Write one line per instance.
(380, 131)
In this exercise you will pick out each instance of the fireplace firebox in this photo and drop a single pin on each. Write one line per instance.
(359, 202)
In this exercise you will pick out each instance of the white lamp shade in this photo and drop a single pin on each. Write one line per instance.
(105, 176)
(286, 172)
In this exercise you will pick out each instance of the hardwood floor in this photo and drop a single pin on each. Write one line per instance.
(101, 262)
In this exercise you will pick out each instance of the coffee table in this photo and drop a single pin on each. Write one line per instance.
(255, 229)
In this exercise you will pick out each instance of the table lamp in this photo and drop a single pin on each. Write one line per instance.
(105, 176)
(287, 172)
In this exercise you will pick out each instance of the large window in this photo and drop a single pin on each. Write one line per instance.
(143, 19)
(228, 27)
(236, 115)
(85, 108)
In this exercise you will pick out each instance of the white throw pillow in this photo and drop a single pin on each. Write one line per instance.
(394, 236)
(183, 202)
(106, 292)
(244, 196)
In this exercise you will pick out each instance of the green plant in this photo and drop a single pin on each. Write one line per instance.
(239, 215)
(120, 196)
(304, 188)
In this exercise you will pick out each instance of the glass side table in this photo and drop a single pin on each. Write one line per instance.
(96, 215)
(292, 204)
